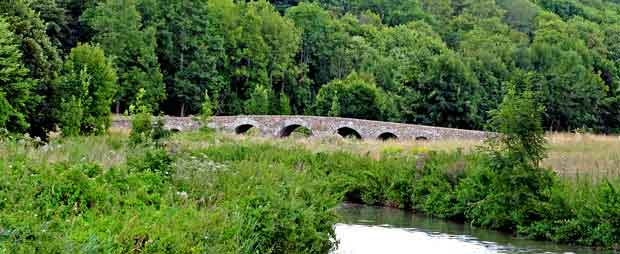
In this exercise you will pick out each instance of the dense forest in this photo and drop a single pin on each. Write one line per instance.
(438, 62)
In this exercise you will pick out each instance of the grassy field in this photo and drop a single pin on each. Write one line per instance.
(584, 155)
(571, 155)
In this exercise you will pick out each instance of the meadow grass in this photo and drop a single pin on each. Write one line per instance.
(584, 156)
(572, 155)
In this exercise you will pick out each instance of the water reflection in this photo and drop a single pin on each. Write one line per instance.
(366, 229)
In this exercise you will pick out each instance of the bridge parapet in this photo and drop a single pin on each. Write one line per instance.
(282, 126)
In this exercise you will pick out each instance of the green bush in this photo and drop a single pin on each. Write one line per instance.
(141, 127)
(71, 118)
(141, 120)
(152, 160)
(89, 79)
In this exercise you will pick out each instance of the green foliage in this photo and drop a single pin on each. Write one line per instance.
(131, 44)
(511, 191)
(284, 108)
(258, 104)
(71, 117)
(40, 57)
(322, 42)
(184, 37)
(207, 108)
(519, 124)
(141, 120)
(145, 131)
(334, 109)
(5, 111)
(235, 196)
(444, 63)
(157, 202)
(356, 98)
(15, 85)
(90, 80)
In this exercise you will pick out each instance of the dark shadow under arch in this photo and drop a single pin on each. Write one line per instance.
(387, 136)
(347, 132)
(288, 130)
(421, 138)
(244, 128)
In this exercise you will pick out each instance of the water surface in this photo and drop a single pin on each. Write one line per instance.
(365, 229)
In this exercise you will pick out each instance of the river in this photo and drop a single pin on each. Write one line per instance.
(365, 230)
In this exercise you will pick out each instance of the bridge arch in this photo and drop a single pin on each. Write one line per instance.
(243, 128)
(387, 136)
(289, 129)
(421, 138)
(346, 132)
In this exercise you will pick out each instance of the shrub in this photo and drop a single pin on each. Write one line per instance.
(152, 160)
(158, 132)
(141, 120)
(89, 79)
(355, 97)
(71, 118)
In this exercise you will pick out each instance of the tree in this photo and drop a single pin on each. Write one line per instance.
(489, 54)
(334, 109)
(513, 182)
(438, 62)
(433, 86)
(285, 105)
(71, 116)
(121, 33)
(183, 41)
(89, 78)
(519, 120)
(520, 14)
(353, 97)
(15, 85)
(449, 97)
(570, 88)
(141, 120)
(323, 39)
(55, 20)
(73, 28)
(40, 57)
(258, 104)
(206, 110)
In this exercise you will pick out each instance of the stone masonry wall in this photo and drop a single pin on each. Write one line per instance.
(278, 126)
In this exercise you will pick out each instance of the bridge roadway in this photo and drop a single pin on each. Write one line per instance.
(283, 126)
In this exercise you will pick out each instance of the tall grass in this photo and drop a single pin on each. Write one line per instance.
(572, 155)
(584, 156)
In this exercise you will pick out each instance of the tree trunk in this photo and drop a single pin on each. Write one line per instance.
(182, 109)
(118, 107)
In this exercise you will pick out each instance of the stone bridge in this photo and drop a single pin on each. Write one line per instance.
(283, 126)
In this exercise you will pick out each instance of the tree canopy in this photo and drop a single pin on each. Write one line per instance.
(436, 62)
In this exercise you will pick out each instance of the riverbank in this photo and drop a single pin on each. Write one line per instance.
(204, 192)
